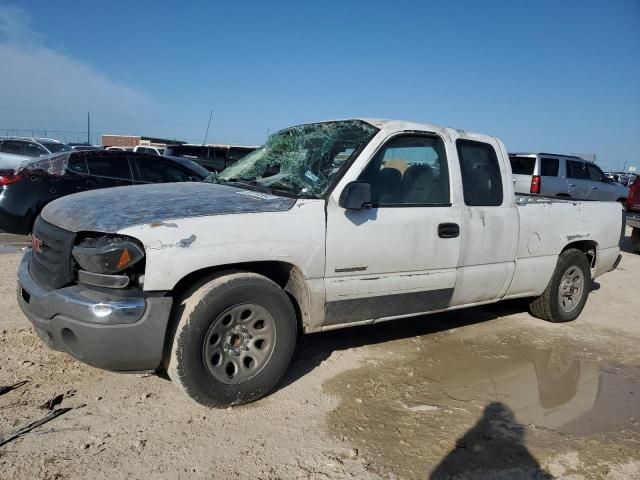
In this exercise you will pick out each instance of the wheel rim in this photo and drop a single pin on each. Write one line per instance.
(239, 343)
(571, 288)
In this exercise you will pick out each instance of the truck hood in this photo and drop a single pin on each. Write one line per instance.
(113, 209)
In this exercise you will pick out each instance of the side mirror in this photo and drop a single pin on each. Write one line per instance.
(356, 196)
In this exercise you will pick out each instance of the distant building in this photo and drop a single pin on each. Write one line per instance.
(135, 140)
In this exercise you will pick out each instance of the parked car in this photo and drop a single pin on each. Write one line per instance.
(633, 213)
(16, 150)
(23, 193)
(213, 157)
(563, 176)
(150, 150)
(328, 225)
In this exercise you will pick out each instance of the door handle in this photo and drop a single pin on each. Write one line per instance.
(448, 230)
(594, 188)
(572, 184)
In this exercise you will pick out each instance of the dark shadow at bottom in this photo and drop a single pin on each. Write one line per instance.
(492, 448)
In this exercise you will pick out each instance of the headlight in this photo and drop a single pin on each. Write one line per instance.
(107, 255)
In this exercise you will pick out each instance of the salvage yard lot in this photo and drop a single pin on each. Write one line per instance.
(488, 388)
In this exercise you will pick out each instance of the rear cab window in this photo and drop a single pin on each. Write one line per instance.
(481, 177)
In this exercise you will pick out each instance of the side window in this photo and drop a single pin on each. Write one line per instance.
(11, 146)
(481, 178)
(549, 167)
(409, 170)
(577, 170)
(34, 150)
(157, 171)
(595, 174)
(113, 166)
(78, 164)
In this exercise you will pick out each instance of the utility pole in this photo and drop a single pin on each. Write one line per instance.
(88, 128)
(208, 125)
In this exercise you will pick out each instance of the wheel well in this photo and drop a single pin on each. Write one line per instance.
(588, 247)
(287, 276)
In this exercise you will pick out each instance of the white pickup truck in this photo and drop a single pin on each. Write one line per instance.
(328, 225)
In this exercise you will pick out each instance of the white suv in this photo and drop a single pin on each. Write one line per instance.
(15, 150)
(563, 176)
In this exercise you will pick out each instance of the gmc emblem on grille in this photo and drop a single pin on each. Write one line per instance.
(36, 244)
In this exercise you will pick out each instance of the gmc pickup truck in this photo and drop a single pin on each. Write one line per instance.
(328, 225)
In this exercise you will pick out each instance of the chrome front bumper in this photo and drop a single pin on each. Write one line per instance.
(112, 329)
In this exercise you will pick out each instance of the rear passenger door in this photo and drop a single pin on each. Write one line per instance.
(489, 225)
(578, 179)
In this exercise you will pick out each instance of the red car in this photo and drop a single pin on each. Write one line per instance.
(633, 213)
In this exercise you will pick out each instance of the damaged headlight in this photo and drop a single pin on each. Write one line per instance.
(107, 255)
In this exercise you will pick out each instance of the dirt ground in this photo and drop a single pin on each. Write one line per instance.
(481, 393)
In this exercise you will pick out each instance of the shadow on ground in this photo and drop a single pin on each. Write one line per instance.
(494, 445)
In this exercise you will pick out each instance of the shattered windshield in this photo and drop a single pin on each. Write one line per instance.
(302, 161)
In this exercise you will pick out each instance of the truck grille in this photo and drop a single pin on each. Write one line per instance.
(51, 264)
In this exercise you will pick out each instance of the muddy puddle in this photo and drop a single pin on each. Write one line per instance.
(436, 406)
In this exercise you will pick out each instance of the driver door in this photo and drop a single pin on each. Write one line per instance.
(398, 257)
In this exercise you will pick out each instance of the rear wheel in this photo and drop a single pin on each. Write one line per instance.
(567, 292)
(635, 238)
(234, 339)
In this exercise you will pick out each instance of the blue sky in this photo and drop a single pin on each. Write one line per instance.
(558, 75)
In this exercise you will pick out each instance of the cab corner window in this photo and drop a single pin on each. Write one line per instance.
(481, 177)
(410, 170)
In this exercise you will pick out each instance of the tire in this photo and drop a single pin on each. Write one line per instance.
(554, 307)
(235, 334)
(635, 239)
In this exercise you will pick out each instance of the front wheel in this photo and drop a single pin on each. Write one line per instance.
(635, 239)
(234, 339)
(567, 292)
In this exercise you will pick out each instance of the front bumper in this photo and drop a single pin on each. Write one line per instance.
(109, 329)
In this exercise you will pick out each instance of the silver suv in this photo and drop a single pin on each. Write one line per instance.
(563, 176)
(15, 150)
